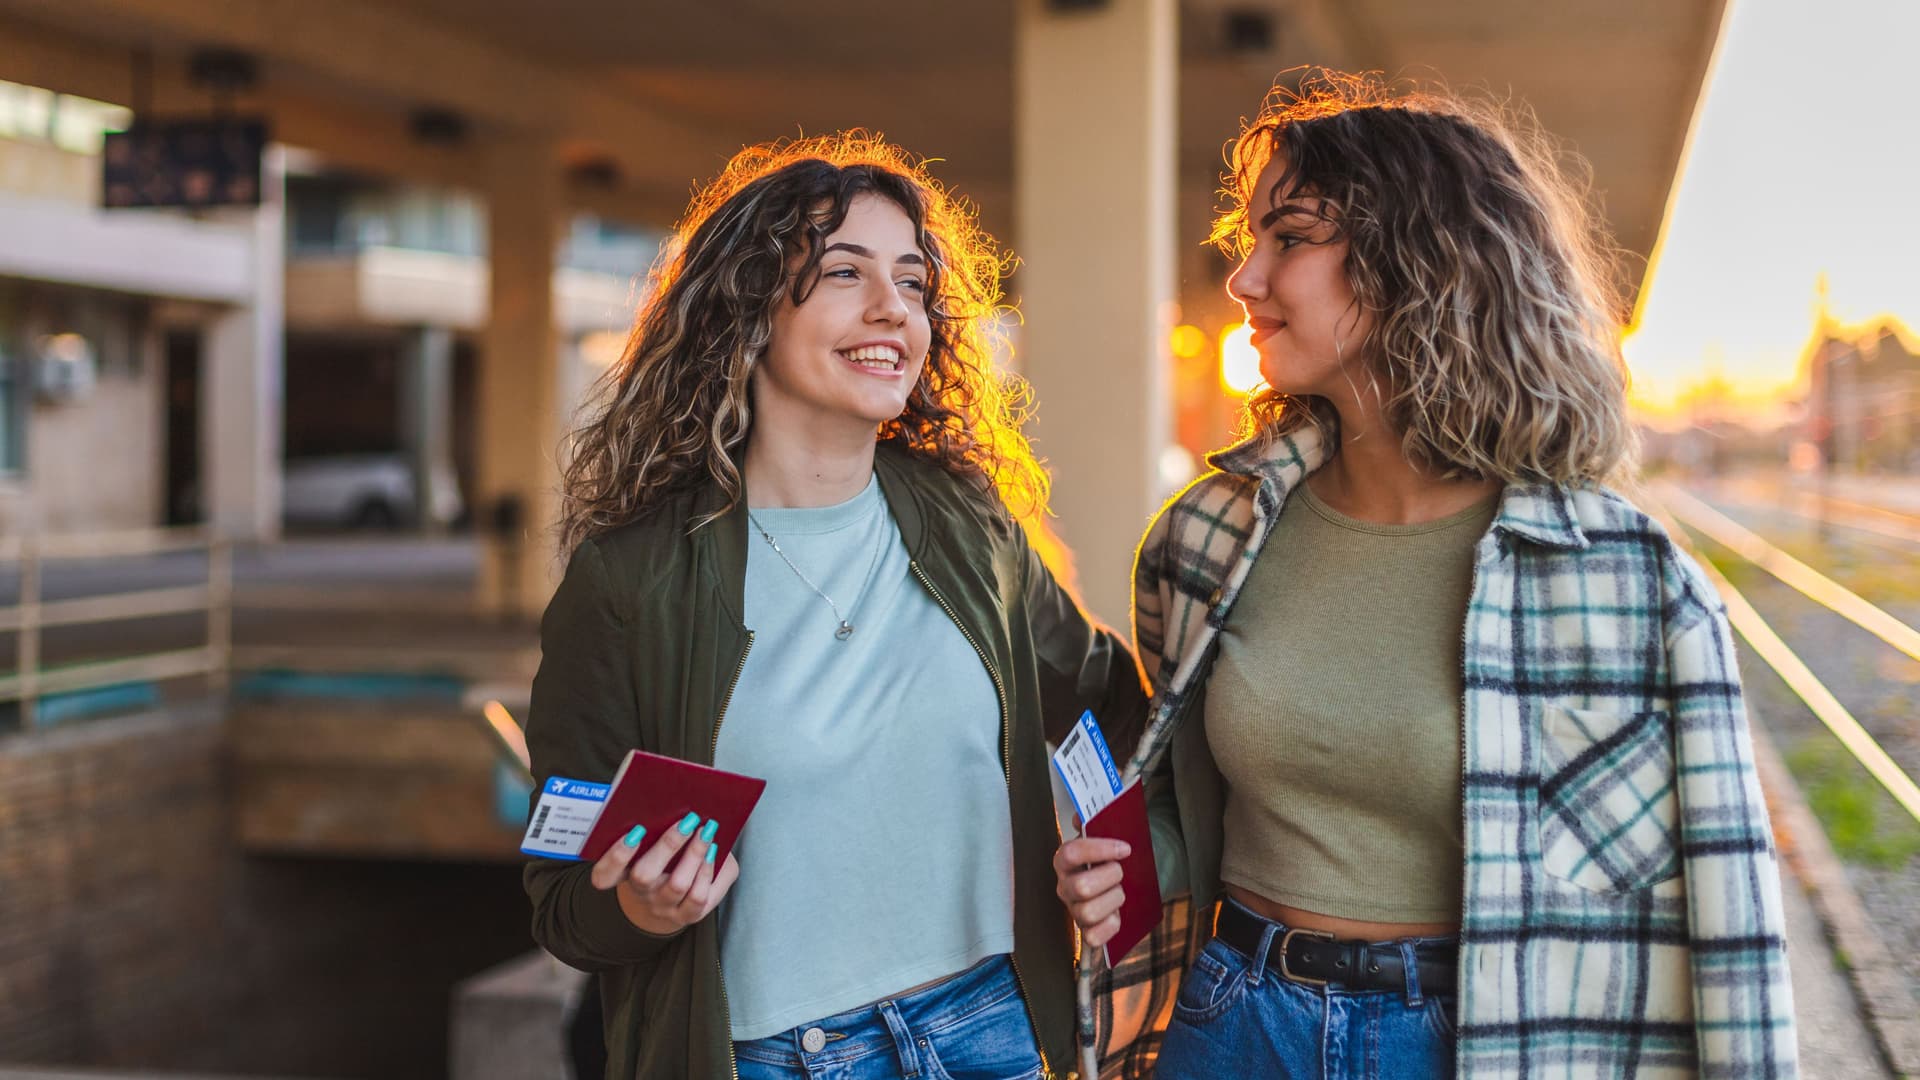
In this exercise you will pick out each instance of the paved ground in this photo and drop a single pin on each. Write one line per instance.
(412, 564)
(396, 594)
(1878, 844)
(1834, 1040)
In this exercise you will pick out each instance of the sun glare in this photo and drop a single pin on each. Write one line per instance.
(1768, 245)
(1239, 361)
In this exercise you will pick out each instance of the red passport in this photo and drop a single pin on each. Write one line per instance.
(657, 792)
(1125, 818)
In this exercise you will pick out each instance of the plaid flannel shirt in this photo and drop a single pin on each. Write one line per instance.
(1622, 913)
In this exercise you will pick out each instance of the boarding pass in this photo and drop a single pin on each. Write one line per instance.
(563, 818)
(1086, 767)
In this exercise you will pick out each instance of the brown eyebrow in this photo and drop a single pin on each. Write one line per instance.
(867, 253)
(1286, 209)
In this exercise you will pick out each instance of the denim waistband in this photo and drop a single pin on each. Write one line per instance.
(874, 1028)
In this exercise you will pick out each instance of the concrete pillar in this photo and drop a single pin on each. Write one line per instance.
(576, 373)
(426, 422)
(519, 379)
(242, 383)
(1094, 203)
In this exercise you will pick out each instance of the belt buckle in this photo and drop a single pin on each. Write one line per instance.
(1287, 939)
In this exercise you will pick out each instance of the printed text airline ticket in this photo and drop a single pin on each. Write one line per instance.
(563, 818)
(1086, 766)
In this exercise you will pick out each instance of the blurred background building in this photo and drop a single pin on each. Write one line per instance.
(456, 197)
(1863, 397)
(282, 839)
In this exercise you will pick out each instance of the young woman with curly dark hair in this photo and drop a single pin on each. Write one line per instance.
(1448, 749)
(793, 556)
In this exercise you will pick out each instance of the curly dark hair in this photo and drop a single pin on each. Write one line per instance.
(675, 410)
(1494, 293)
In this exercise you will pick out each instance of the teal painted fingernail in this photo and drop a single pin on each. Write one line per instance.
(706, 834)
(711, 852)
(688, 824)
(633, 837)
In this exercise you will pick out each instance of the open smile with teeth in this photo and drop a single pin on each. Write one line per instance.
(877, 358)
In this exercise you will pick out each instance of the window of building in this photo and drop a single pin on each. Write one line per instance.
(13, 383)
(75, 124)
(10, 409)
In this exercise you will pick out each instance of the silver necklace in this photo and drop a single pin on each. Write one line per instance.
(845, 629)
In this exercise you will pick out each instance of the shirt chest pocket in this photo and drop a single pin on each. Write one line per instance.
(1608, 813)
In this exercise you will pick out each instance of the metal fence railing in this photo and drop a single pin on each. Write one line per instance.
(1766, 643)
(32, 614)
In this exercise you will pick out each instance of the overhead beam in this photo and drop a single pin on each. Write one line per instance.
(367, 51)
(352, 136)
(1704, 55)
(1313, 32)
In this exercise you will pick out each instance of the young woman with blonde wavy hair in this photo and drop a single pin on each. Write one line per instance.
(792, 556)
(1449, 730)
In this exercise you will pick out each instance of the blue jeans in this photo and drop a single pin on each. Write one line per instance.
(972, 1026)
(1234, 1016)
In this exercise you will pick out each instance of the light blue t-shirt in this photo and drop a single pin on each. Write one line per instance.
(881, 855)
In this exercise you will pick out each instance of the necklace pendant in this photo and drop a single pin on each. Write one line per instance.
(845, 631)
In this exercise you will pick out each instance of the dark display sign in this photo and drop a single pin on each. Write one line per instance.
(190, 163)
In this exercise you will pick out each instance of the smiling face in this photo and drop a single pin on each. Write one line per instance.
(1293, 287)
(847, 356)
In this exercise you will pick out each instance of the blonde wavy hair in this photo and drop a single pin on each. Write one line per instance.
(675, 411)
(1493, 289)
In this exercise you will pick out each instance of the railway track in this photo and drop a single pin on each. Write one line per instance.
(1827, 598)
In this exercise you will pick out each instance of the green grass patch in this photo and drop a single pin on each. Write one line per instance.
(1864, 824)
(1742, 574)
(1880, 577)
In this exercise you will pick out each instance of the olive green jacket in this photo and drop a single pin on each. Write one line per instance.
(642, 644)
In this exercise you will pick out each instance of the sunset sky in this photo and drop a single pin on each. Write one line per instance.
(1805, 160)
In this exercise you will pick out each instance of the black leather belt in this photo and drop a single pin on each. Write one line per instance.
(1316, 958)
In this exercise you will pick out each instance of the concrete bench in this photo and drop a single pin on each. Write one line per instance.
(510, 1021)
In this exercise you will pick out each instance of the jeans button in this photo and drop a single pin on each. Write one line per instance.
(813, 1040)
